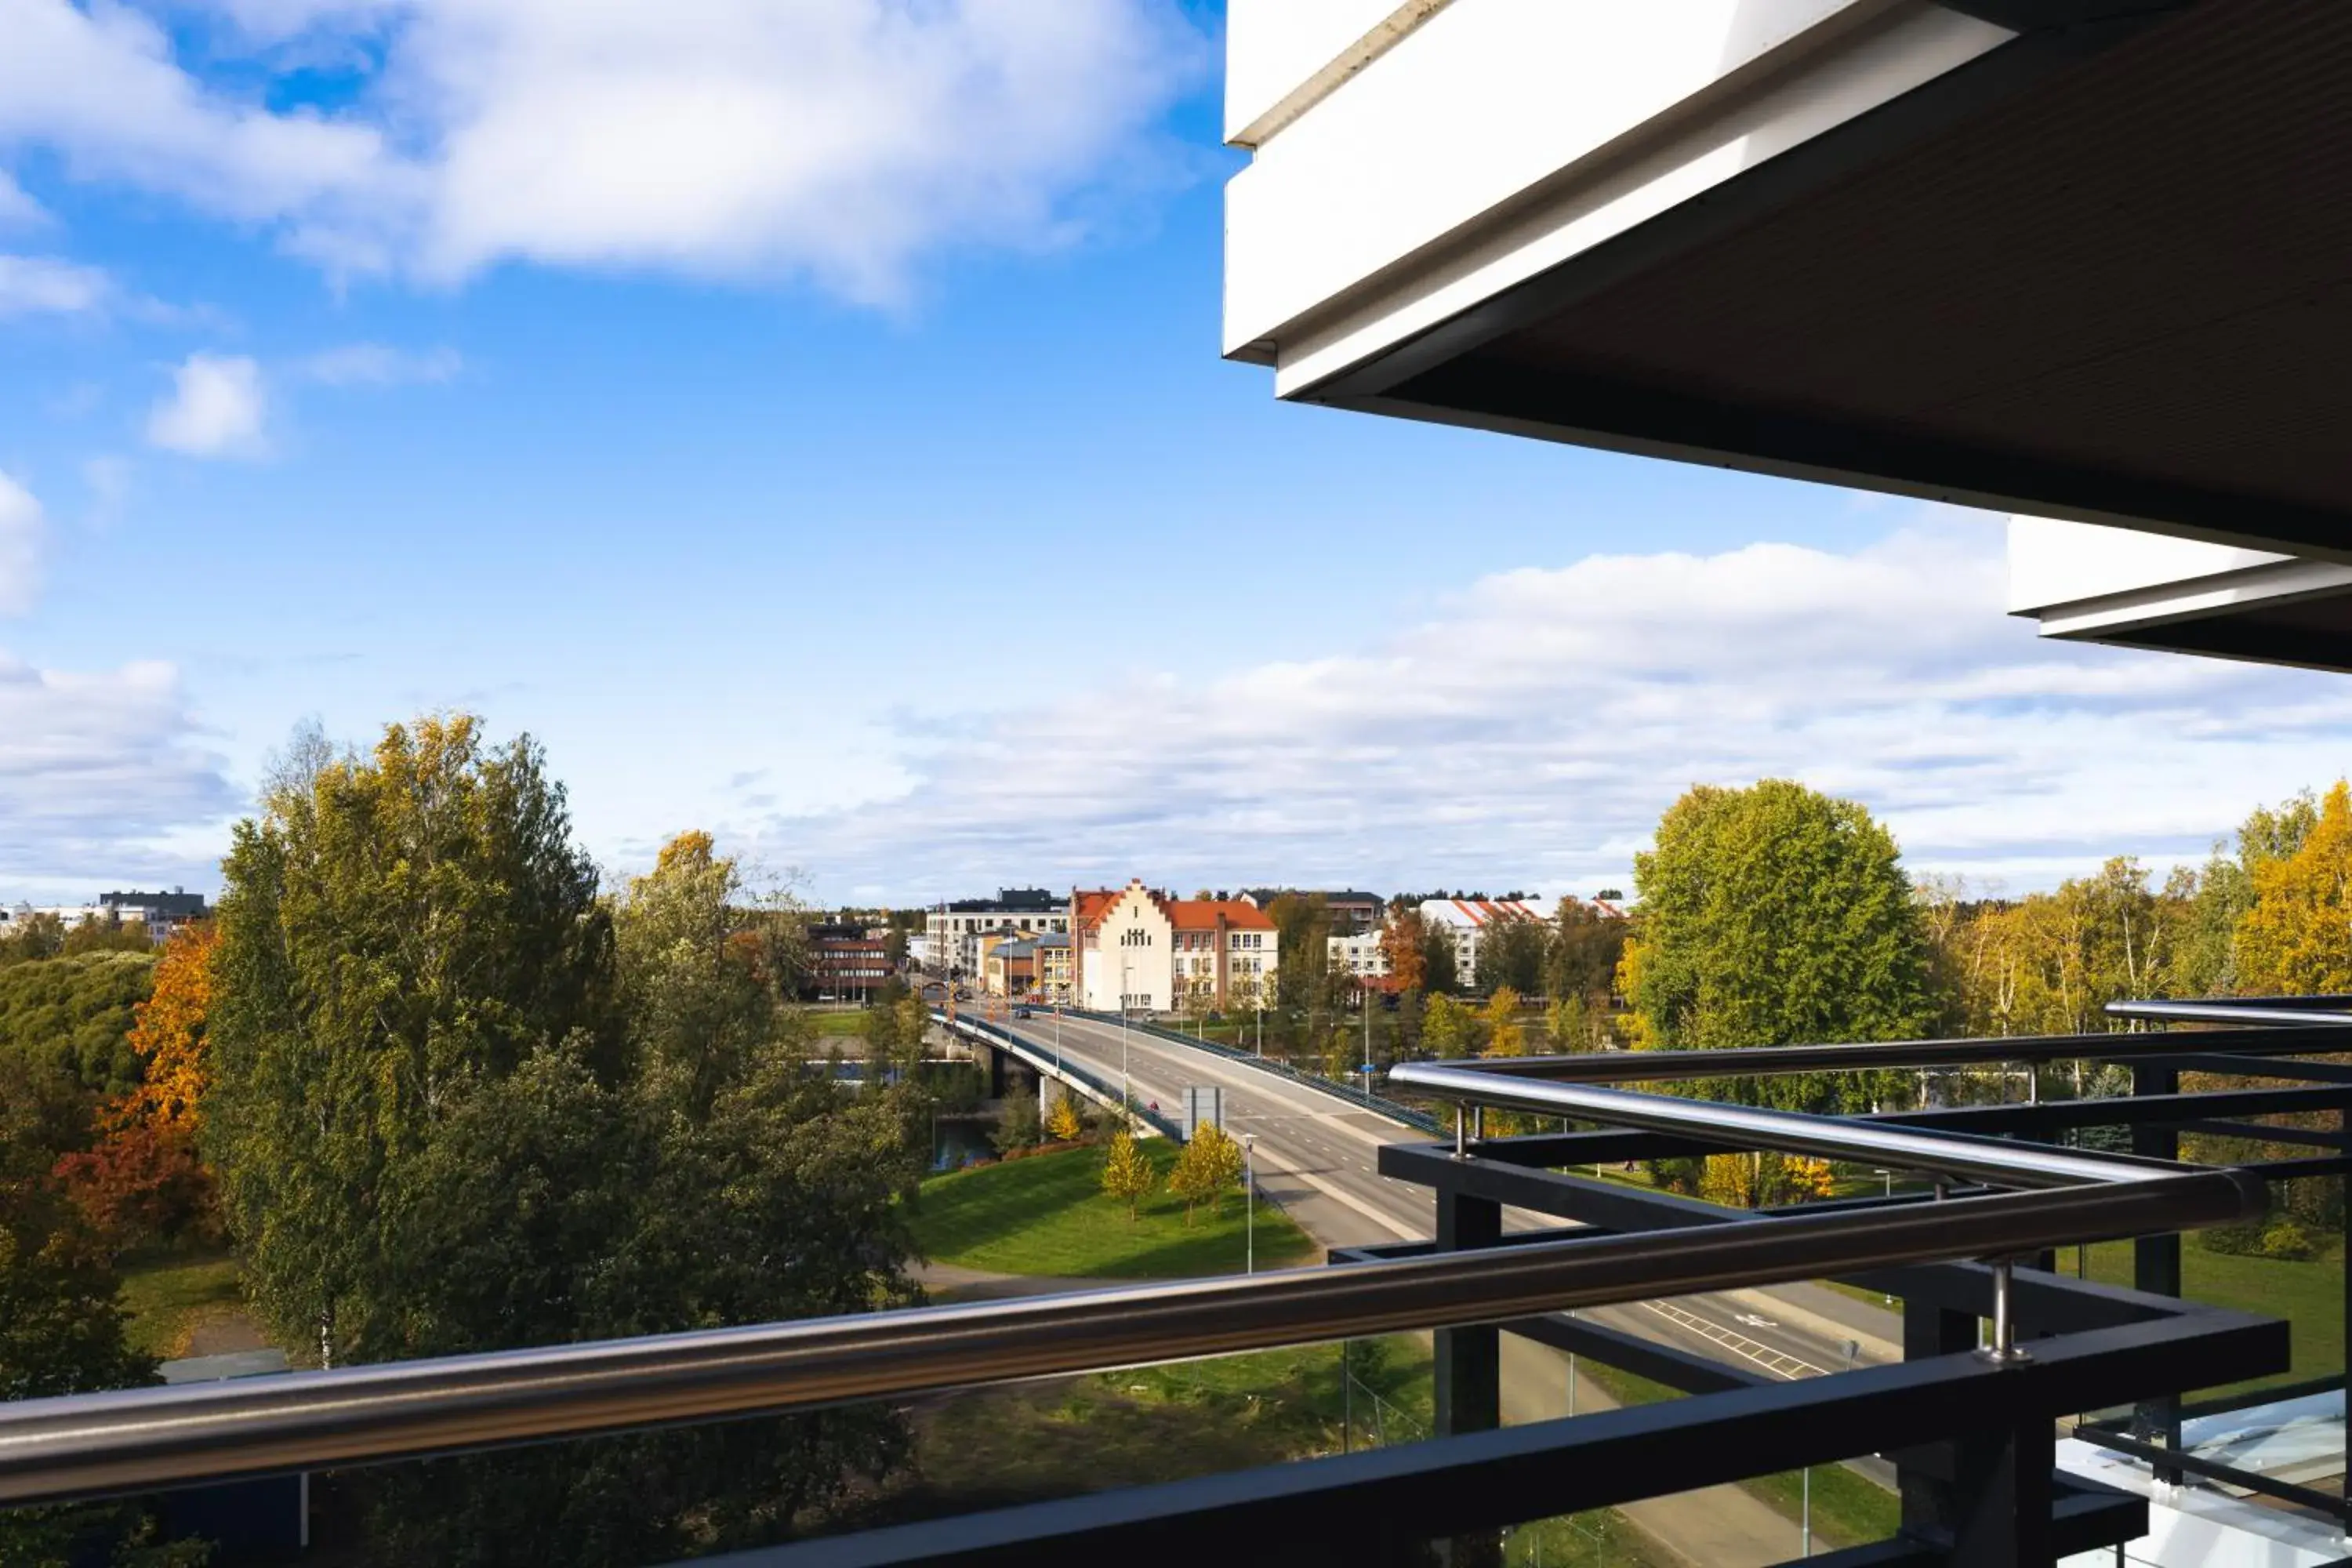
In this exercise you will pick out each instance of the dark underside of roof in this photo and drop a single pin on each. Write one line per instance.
(2314, 632)
(2103, 271)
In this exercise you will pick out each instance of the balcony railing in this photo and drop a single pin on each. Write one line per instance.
(1969, 1428)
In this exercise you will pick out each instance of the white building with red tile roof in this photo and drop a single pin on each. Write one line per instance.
(1137, 947)
(1466, 920)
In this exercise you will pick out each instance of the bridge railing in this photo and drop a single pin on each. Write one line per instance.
(1395, 1110)
(1040, 1058)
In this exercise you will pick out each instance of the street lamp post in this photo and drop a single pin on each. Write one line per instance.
(1126, 1086)
(1249, 1201)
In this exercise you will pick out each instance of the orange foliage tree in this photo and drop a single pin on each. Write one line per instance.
(145, 1178)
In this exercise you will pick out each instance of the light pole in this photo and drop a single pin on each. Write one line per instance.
(1125, 1087)
(1249, 1200)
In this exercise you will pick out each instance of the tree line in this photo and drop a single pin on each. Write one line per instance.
(441, 1092)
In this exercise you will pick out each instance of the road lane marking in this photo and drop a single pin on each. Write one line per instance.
(1777, 1363)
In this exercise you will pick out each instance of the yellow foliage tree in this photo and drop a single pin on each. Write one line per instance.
(2297, 938)
(168, 1033)
(1505, 1034)
(1065, 1125)
(1127, 1174)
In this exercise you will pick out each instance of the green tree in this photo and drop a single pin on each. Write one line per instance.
(1127, 1174)
(1441, 975)
(1581, 959)
(1511, 953)
(1775, 915)
(73, 1016)
(462, 1103)
(1448, 1027)
(2296, 939)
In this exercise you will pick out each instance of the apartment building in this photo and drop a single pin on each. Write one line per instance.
(953, 930)
(1465, 921)
(1139, 948)
(1352, 911)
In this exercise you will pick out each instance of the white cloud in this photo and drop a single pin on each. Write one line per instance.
(217, 409)
(17, 207)
(43, 285)
(842, 140)
(375, 364)
(99, 774)
(21, 527)
(1531, 734)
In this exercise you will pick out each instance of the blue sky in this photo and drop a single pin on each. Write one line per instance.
(853, 471)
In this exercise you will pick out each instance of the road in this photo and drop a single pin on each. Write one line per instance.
(1318, 1158)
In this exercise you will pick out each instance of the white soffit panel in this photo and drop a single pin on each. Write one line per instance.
(1504, 136)
(2083, 580)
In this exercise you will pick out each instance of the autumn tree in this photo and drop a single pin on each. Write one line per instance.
(1208, 1166)
(1775, 915)
(1127, 1174)
(2296, 939)
(1065, 1125)
(1402, 942)
(1500, 1020)
(144, 1178)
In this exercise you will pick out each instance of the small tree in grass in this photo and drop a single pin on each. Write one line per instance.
(1127, 1174)
(1209, 1164)
(1065, 1125)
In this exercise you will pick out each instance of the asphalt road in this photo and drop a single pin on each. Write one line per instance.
(1316, 1156)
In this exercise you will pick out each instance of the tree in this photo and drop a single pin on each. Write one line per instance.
(1402, 942)
(1206, 1167)
(73, 1016)
(1775, 915)
(2296, 939)
(144, 1179)
(1017, 1126)
(1511, 953)
(1500, 1019)
(460, 1102)
(1127, 1174)
(395, 933)
(1440, 973)
(1065, 1124)
(61, 1321)
(1581, 957)
(1448, 1027)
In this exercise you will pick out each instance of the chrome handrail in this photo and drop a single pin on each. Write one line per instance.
(1989, 1160)
(2306, 1032)
(2262, 1011)
(55, 1449)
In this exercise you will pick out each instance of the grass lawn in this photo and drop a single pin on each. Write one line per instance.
(1048, 1214)
(2310, 1296)
(169, 1298)
(1849, 1509)
(848, 1024)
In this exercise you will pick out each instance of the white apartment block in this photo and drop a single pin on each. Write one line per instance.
(1465, 920)
(1360, 955)
(953, 930)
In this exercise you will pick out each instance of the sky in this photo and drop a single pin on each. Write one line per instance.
(804, 418)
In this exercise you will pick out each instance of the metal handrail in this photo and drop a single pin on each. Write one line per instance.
(2263, 1010)
(55, 1449)
(2315, 1033)
(1988, 1160)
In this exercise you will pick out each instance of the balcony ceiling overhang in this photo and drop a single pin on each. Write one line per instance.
(2101, 271)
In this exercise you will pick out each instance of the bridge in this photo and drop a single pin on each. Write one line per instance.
(1051, 1068)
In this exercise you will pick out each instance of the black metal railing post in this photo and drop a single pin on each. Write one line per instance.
(2002, 1495)
(1928, 1478)
(2155, 1259)
(1468, 1371)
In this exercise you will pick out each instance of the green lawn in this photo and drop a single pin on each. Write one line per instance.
(169, 1298)
(2310, 1296)
(1048, 1214)
(847, 1024)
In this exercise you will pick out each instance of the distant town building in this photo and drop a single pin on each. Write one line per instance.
(954, 930)
(1359, 954)
(1135, 947)
(1009, 968)
(847, 961)
(1465, 920)
(1054, 968)
(161, 913)
(1351, 911)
